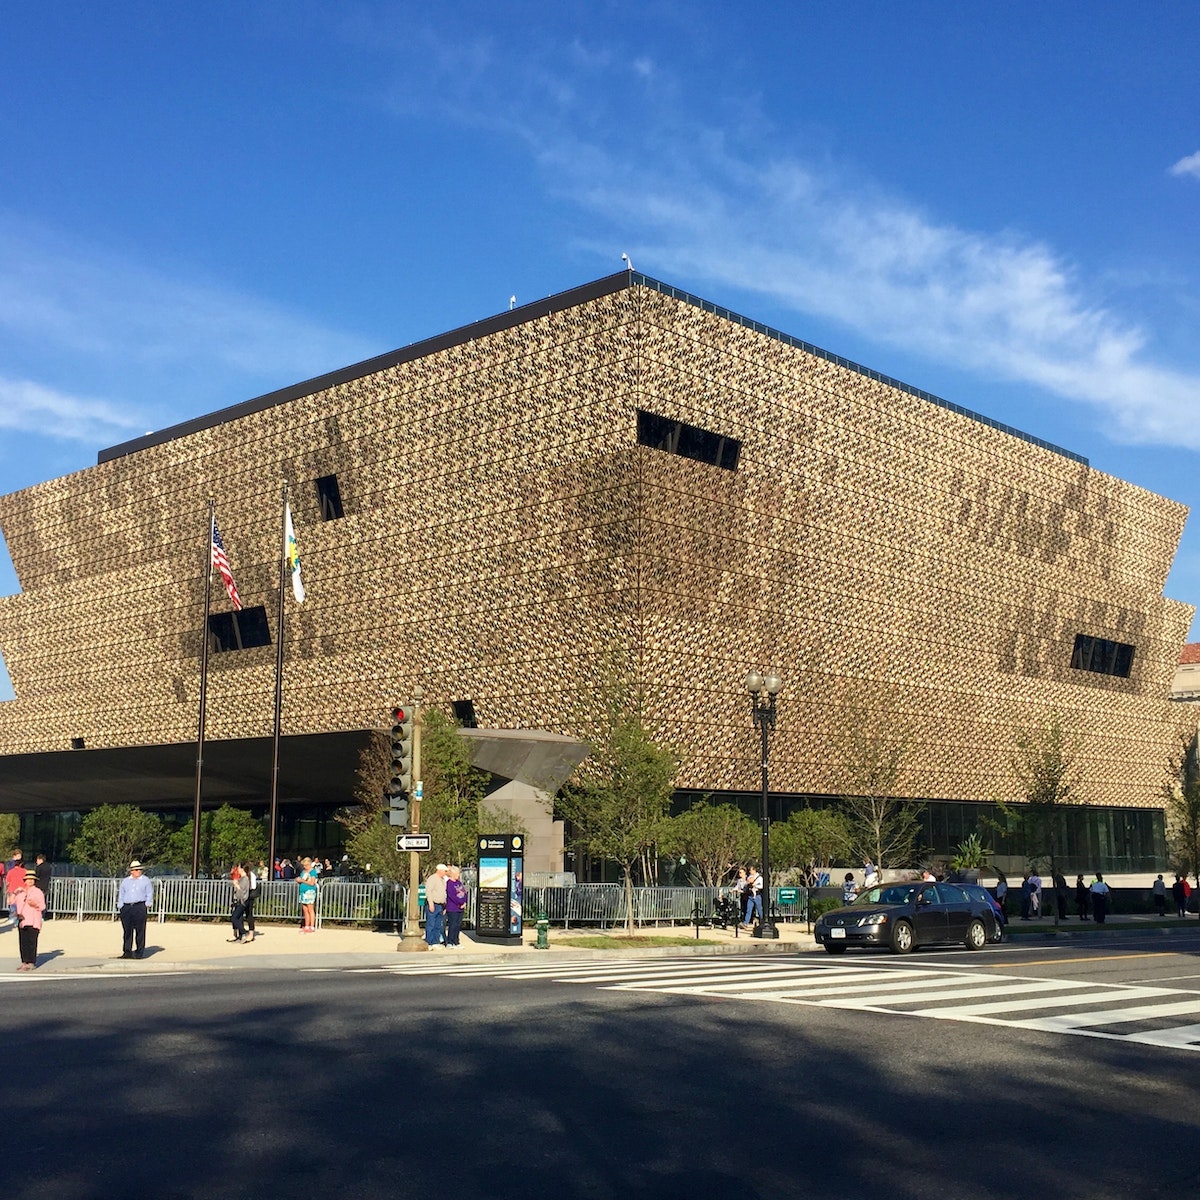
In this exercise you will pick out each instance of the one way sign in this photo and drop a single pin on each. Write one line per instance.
(414, 841)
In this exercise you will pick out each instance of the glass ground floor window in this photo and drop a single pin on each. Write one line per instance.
(1087, 837)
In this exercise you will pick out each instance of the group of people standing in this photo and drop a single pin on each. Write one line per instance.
(1181, 891)
(748, 889)
(445, 903)
(26, 889)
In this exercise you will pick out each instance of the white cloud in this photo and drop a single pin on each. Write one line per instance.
(31, 408)
(167, 343)
(684, 204)
(1187, 166)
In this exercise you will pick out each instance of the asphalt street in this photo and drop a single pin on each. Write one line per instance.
(475, 1079)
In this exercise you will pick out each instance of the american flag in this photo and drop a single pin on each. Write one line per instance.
(221, 562)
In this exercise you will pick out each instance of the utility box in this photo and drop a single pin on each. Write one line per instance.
(499, 897)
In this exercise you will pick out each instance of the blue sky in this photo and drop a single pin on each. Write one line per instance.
(996, 203)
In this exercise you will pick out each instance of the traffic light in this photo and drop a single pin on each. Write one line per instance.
(400, 782)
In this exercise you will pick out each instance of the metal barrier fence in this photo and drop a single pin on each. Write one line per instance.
(342, 901)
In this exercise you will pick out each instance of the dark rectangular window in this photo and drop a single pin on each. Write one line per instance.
(688, 441)
(239, 630)
(464, 713)
(329, 498)
(1102, 656)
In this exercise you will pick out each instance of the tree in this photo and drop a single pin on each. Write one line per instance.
(1182, 794)
(811, 839)
(111, 836)
(618, 800)
(712, 838)
(10, 833)
(451, 807)
(228, 835)
(883, 827)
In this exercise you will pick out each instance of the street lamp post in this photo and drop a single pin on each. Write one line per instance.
(763, 692)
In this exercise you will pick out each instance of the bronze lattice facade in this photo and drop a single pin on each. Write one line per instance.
(505, 534)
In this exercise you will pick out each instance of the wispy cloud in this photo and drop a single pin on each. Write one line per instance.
(159, 347)
(29, 407)
(721, 201)
(1187, 166)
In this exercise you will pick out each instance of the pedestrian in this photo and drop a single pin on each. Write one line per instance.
(241, 891)
(1062, 893)
(135, 899)
(307, 879)
(43, 872)
(1158, 889)
(1002, 894)
(1026, 893)
(287, 870)
(1099, 890)
(1035, 893)
(1082, 898)
(435, 905)
(870, 874)
(15, 878)
(1179, 895)
(456, 904)
(741, 887)
(255, 877)
(849, 889)
(754, 888)
(30, 902)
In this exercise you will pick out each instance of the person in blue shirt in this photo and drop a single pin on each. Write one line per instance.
(849, 889)
(135, 898)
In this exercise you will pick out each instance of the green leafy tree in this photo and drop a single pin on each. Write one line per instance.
(883, 826)
(618, 800)
(228, 835)
(713, 838)
(811, 840)
(1182, 794)
(10, 833)
(111, 836)
(452, 806)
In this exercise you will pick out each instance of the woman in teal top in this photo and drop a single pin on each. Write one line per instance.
(307, 879)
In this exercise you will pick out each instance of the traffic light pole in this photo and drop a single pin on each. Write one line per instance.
(411, 939)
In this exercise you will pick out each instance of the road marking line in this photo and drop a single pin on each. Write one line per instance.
(1112, 1016)
(1048, 962)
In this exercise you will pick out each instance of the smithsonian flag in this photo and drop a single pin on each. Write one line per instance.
(293, 555)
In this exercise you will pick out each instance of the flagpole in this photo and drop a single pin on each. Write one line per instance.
(203, 688)
(274, 813)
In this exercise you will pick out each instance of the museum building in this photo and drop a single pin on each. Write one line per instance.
(622, 478)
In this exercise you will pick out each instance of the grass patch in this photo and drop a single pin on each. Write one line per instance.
(621, 941)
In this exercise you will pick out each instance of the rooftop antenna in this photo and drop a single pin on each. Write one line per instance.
(512, 303)
(625, 259)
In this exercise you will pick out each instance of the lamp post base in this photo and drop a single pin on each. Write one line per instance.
(764, 929)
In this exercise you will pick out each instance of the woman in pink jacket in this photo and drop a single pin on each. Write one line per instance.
(30, 903)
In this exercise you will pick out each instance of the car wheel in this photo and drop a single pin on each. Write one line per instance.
(976, 936)
(833, 948)
(902, 938)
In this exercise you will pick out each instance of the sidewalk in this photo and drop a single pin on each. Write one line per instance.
(90, 946)
(67, 946)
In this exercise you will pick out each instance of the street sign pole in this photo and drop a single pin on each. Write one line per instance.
(411, 939)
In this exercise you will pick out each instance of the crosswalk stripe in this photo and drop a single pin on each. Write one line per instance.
(1112, 1016)
(1021, 1004)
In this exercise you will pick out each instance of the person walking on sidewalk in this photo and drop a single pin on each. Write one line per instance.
(1179, 893)
(135, 899)
(1158, 889)
(30, 904)
(753, 898)
(1099, 890)
(241, 890)
(435, 905)
(254, 877)
(1062, 893)
(456, 904)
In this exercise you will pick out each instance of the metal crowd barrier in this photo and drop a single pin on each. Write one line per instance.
(343, 901)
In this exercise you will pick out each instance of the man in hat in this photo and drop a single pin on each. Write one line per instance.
(135, 898)
(435, 905)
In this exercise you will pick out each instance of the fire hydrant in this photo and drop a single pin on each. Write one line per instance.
(543, 928)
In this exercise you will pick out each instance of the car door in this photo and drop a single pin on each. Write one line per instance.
(957, 906)
(929, 915)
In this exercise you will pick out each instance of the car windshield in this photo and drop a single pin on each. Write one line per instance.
(892, 893)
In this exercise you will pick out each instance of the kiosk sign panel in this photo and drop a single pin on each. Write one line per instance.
(498, 904)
